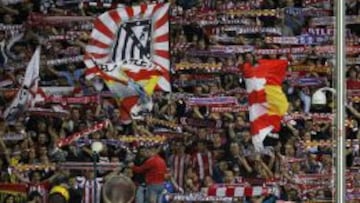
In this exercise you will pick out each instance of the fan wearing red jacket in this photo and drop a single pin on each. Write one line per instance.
(154, 169)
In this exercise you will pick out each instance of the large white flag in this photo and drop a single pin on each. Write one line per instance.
(129, 50)
(27, 91)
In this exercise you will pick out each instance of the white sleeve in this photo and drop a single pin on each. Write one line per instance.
(80, 181)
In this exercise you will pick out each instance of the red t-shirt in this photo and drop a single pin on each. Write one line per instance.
(154, 169)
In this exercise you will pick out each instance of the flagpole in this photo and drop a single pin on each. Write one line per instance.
(340, 98)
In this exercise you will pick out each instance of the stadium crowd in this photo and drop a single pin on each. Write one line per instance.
(175, 151)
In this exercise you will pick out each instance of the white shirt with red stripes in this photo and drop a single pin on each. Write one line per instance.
(89, 189)
(203, 162)
(42, 188)
(179, 163)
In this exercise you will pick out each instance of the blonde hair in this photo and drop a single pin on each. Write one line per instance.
(118, 189)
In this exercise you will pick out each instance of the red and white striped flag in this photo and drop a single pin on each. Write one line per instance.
(267, 102)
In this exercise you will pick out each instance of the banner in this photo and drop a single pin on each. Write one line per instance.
(156, 139)
(11, 136)
(306, 116)
(329, 48)
(67, 166)
(84, 141)
(181, 47)
(6, 82)
(70, 139)
(308, 81)
(126, 141)
(234, 49)
(36, 19)
(299, 40)
(155, 121)
(353, 92)
(73, 100)
(352, 84)
(191, 83)
(310, 69)
(329, 143)
(100, 4)
(353, 60)
(71, 51)
(225, 21)
(237, 90)
(233, 109)
(330, 20)
(208, 67)
(12, 27)
(58, 90)
(67, 60)
(17, 189)
(307, 3)
(240, 191)
(34, 167)
(306, 12)
(212, 101)
(201, 123)
(315, 50)
(69, 35)
(219, 51)
(253, 12)
(316, 31)
(89, 166)
(240, 30)
(53, 112)
(196, 197)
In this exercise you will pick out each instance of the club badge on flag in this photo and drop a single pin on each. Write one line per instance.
(129, 50)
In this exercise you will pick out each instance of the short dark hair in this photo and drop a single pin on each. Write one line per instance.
(34, 194)
(56, 198)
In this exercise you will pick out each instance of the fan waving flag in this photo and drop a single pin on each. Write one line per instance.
(267, 102)
(129, 50)
(26, 94)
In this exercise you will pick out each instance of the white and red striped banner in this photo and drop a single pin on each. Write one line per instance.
(312, 2)
(240, 191)
(212, 101)
(72, 138)
(330, 20)
(73, 100)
